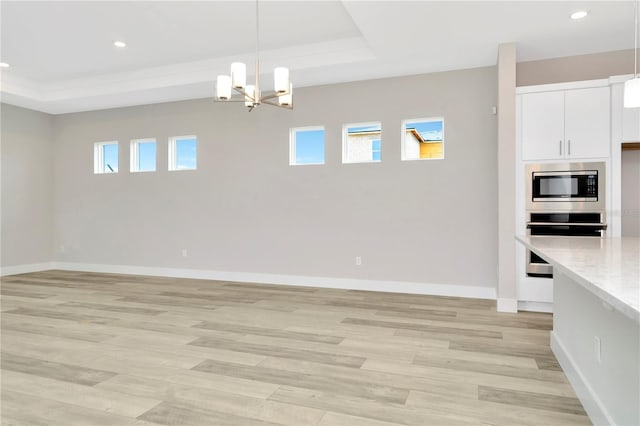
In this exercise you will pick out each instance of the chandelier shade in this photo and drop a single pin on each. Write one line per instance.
(234, 87)
(238, 75)
(281, 80)
(286, 99)
(632, 93)
(223, 87)
(250, 95)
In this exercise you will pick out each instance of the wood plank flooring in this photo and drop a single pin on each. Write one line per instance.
(103, 349)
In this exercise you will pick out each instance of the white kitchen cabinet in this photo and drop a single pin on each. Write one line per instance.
(542, 125)
(586, 123)
(631, 125)
(566, 124)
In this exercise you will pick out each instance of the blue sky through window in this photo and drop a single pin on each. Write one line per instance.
(356, 129)
(309, 146)
(429, 130)
(110, 157)
(375, 150)
(146, 156)
(186, 154)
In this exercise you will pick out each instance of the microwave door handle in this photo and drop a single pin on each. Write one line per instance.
(569, 148)
(560, 145)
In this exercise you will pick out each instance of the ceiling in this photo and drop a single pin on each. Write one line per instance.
(63, 60)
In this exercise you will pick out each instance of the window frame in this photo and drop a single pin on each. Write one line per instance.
(172, 165)
(98, 157)
(293, 147)
(345, 136)
(134, 155)
(403, 129)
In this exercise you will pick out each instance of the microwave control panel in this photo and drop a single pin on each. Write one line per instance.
(592, 186)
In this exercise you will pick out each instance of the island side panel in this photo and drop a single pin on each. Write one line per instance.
(609, 388)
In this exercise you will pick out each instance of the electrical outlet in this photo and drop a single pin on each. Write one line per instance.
(184, 252)
(62, 248)
(598, 349)
(358, 260)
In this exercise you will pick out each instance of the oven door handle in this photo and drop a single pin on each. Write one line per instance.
(594, 225)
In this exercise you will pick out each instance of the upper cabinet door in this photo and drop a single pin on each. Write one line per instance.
(587, 118)
(542, 125)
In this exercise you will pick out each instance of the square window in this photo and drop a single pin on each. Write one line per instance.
(423, 138)
(306, 145)
(362, 143)
(105, 157)
(183, 153)
(143, 155)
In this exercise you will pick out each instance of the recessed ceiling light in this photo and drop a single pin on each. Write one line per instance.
(119, 44)
(579, 14)
(4, 65)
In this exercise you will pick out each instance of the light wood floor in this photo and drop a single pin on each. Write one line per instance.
(101, 349)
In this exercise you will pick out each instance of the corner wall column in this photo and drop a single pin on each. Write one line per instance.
(506, 291)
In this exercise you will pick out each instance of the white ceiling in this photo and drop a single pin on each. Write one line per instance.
(62, 58)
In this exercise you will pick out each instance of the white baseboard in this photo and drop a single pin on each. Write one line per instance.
(535, 306)
(507, 305)
(450, 290)
(590, 401)
(23, 269)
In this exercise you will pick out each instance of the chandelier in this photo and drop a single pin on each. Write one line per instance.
(234, 87)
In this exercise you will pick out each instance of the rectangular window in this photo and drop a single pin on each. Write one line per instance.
(362, 143)
(105, 157)
(143, 155)
(423, 138)
(183, 153)
(306, 145)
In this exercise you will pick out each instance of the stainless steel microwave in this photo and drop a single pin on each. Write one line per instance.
(565, 186)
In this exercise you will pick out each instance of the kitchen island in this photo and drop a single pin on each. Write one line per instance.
(596, 321)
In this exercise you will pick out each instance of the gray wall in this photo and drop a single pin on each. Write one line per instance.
(575, 68)
(27, 188)
(245, 209)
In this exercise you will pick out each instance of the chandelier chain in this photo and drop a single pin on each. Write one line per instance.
(635, 41)
(257, 82)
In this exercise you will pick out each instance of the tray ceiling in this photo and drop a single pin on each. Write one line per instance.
(63, 60)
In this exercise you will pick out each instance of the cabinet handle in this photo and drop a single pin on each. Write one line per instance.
(560, 145)
(569, 148)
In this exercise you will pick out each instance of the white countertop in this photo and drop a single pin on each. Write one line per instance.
(608, 267)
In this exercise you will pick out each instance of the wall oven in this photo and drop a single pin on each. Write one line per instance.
(563, 199)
